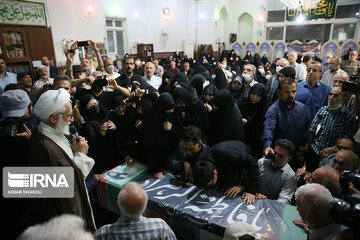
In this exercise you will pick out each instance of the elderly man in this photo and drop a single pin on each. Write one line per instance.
(328, 177)
(52, 71)
(300, 70)
(334, 69)
(274, 81)
(43, 83)
(150, 78)
(330, 122)
(326, 62)
(50, 147)
(187, 70)
(173, 69)
(132, 201)
(109, 68)
(351, 66)
(5, 77)
(276, 175)
(248, 75)
(346, 160)
(159, 70)
(328, 154)
(313, 93)
(313, 204)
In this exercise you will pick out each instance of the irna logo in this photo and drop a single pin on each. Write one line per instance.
(37, 180)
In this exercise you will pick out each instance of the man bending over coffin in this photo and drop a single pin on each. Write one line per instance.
(230, 165)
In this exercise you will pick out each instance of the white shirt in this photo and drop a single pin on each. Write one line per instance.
(83, 162)
(300, 72)
(40, 83)
(154, 81)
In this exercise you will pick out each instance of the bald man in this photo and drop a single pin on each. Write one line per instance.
(132, 201)
(312, 92)
(150, 78)
(300, 70)
(330, 122)
(334, 68)
(328, 177)
(351, 66)
(346, 160)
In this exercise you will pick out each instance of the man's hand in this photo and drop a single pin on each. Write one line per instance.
(26, 134)
(129, 160)
(352, 188)
(167, 126)
(301, 172)
(159, 175)
(188, 172)
(260, 196)
(90, 80)
(244, 121)
(111, 125)
(327, 151)
(248, 198)
(267, 151)
(97, 177)
(208, 107)
(139, 92)
(80, 145)
(93, 45)
(300, 223)
(112, 84)
(233, 191)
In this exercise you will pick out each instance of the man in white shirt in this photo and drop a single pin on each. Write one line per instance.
(300, 70)
(334, 68)
(42, 84)
(150, 78)
(275, 175)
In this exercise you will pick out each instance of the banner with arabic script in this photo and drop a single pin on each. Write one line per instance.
(324, 10)
(22, 13)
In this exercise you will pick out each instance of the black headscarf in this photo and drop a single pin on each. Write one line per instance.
(197, 81)
(226, 122)
(181, 77)
(165, 87)
(220, 79)
(157, 144)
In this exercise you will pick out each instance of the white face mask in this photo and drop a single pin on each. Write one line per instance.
(327, 60)
(129, 88)
(231, 58)
(278, 68)
(137, 62)
(206, 83)
(261, 70)
(268, 77)
(110, 68)
(246, 76)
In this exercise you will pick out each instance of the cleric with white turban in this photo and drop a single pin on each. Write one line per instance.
(58, 101)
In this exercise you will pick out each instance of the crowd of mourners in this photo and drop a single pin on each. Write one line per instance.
(284, 130)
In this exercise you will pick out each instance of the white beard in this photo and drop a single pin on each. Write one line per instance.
(62, 127)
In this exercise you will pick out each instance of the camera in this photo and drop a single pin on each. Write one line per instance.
(346, 211)
(99, 83)
(352, 87)
(83, 44)
(12, 126)
(346, 177)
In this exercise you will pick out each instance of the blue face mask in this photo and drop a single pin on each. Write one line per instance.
(213, 77)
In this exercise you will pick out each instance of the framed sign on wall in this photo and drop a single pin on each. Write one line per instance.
(22, 13)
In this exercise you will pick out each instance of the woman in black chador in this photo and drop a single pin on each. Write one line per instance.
(253, 112)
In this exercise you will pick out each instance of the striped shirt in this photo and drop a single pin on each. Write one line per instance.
(328, 126)
(328, 77)
(141, 228)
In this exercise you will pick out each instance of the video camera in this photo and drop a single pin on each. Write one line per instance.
(346, 211)
(99, 83)
(352, 87)
(346, 177)
(12, 126)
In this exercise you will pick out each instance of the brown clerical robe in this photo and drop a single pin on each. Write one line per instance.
(45, 152)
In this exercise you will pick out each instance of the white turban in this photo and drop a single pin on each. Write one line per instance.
(51, 101)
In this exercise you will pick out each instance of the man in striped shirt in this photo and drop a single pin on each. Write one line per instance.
(132, 201)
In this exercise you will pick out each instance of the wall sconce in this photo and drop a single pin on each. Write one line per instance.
(260, 18)
(90, 10)
(216, 18)
(166, 12)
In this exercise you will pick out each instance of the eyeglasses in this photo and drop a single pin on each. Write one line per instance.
(70, 116)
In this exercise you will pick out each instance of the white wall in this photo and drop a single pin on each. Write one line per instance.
(69, 20)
